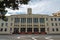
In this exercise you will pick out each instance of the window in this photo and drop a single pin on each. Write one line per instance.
(23, 20)
(5, 29)
(35, 20)
(57, 29)
(6, 24)
(51, 19)
(2, 24)
(17, 20)
(1, 29)
(42, 20)
(52, 24)
(55, 19)
(56, 24)
(6, 18)
(10, 29)
(29, 20)
(58, 19)
(52, 29)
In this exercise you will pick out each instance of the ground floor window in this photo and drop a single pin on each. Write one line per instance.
(1, 29)
(57, 29)
(29, 29)
(16, 30)
(23, 30)
(53, 29)
(42, 29)
(5, 29)
(36, 30)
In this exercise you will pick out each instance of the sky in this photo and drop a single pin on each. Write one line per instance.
(38, 7)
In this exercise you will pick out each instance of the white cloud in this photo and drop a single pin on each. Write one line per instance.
(39, 7)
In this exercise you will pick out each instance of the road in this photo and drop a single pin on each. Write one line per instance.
(29, 37)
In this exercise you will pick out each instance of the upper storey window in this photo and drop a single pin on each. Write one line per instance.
(29, 20)
(17, 20)
(51, 19)
(42, 20)
(35, 20)
(55, 19)
(58, 19)
(2, 24)
(23, 20)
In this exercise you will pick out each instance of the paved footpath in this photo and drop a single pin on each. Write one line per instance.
(30, 37)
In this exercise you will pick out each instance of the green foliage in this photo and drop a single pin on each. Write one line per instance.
(8, 4)
(4, 18)
(24, 1)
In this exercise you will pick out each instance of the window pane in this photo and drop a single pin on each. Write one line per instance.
(29, 20)
(17, 20)
(23, 20)
(1, 29)
(42, 20)
(52, 29)
(2, 24)
(56, 24)
(55, 19)
(5, 29)
(51, 19)
(57, 29)
(58, 19)
(35, 20)
(52, 24)
(10, 29)
(46, 19)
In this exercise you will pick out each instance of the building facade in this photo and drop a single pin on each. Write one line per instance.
(31, 24)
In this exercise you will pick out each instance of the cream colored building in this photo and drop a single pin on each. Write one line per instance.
(31, 23)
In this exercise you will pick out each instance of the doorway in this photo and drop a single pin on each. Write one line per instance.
(29, 30)
(42, 30)
(22, 29)
(36, 30)
(16, 30)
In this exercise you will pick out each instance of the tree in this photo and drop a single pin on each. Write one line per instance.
(10, 4)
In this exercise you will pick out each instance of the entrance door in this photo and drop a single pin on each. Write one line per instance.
(29, 29)
(36, 30)
(22, 29)
(42, 29)
(16, 30)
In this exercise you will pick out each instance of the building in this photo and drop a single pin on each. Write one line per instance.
(31, 23)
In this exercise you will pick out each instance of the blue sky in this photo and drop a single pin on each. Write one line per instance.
(38, 7)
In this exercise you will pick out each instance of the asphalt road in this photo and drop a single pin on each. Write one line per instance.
(29, 37)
